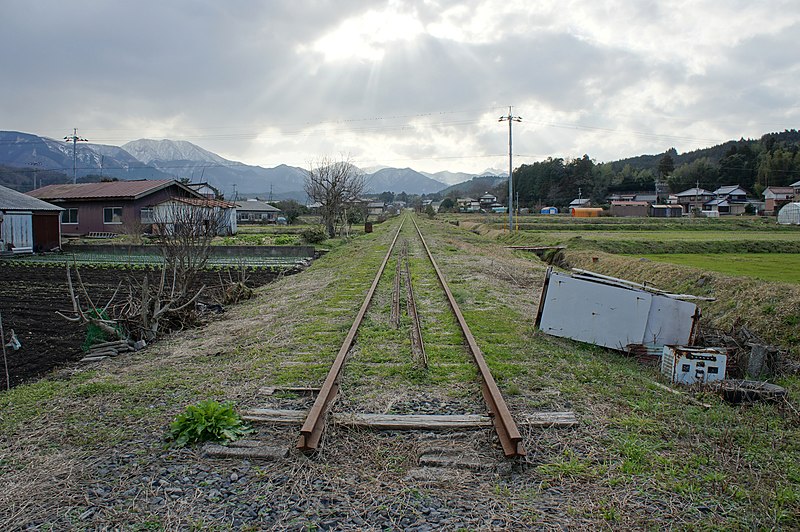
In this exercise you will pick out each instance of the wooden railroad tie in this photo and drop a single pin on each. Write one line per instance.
(410, 422)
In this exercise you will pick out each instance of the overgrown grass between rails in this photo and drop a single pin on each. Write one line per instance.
(640, 457)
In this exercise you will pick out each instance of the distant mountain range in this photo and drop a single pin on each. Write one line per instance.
(25, 153)
(401, 180)
(23, 150)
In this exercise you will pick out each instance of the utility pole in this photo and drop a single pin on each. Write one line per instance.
(75, 139)
(35, 166)
(510, 118)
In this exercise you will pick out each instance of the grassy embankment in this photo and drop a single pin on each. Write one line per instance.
(640, 457)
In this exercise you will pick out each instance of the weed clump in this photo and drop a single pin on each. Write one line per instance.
(208, 421)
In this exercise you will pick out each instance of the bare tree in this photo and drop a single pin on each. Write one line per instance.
(334, 185)
(185, 229)
(184, 232)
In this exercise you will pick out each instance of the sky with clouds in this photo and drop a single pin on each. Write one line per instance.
(403, 84)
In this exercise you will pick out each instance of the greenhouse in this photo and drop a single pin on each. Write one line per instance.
(789, 214)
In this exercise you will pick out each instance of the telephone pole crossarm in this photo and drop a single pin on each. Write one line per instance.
(510, 119)
(74, 138)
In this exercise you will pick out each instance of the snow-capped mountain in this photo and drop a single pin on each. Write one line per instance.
(24, 150)
(163, 159)
(148, 150)
(187, 160)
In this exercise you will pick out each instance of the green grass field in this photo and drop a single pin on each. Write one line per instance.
(782, 267)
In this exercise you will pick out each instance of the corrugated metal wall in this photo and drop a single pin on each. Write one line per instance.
(17, 230)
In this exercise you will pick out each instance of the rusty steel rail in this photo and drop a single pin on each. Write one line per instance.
(395, 318)
(312, 428)
(417, 345)
(504, 425)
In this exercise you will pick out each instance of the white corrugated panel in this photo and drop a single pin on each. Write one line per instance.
(613, 316)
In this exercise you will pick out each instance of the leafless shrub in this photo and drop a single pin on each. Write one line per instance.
(85, 311)
(184, 232)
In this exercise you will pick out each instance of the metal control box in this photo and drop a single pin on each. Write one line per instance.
(692, 365)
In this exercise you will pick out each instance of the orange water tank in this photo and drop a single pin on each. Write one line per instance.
(585, 212)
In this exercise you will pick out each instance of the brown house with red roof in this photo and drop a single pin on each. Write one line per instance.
(112, 206)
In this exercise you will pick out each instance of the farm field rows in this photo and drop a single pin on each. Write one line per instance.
(703, 235)
(643, 235)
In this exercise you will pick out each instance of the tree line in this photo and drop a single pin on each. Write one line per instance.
(772, 160)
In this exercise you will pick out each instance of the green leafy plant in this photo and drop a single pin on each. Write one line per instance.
(208, 421)
(314, 235)
(284, 240)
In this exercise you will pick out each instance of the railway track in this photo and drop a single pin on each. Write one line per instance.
(502, 421)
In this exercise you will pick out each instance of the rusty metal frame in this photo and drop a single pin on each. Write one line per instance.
(311, 432)
(504, 424)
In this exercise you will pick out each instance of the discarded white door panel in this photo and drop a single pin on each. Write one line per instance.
(669, 318)
(690, 365)
(611, 315)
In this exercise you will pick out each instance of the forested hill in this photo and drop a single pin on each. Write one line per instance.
(714, 153)
(772, 160)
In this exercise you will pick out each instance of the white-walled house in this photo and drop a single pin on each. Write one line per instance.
(257, 211)
(205, 212)
(777, 197)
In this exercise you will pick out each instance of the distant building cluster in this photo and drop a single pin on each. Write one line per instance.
(36, 221)
(486, 203)
(725, 200)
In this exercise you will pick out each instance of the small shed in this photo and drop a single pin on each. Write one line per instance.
(205, 212)
(629, 208)
(28, 224)
(789, 214)
(580, 203)
(549, 210)
(666, 211)
(378, 208)
(585, 212)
